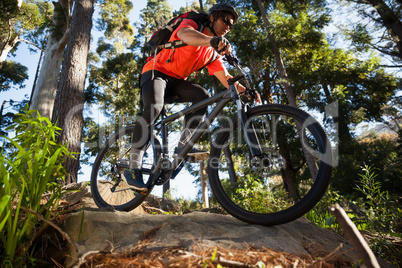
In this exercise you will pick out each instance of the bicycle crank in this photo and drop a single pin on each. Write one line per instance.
(165, 166)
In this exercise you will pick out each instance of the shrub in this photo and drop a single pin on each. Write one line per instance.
(382, 215)
(31, 166)
(377, 213)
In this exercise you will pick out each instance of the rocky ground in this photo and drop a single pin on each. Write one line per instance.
(104, 238)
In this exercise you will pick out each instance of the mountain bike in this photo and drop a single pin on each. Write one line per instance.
(268, 164)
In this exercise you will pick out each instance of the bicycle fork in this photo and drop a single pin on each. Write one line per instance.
(258, 158)
(251, 137)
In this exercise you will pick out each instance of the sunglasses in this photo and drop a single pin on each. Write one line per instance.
(227, 22)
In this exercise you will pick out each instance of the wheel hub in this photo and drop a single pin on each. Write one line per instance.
(260, 162)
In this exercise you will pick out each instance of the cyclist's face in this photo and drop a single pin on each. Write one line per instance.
(223, 25)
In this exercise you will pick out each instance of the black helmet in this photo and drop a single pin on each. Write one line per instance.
(224, 7)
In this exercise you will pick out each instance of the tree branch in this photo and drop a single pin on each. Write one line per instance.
(391, 66)
(63, 41)
(355, 236)
(389, 53)
(31, 43)
(64, 234)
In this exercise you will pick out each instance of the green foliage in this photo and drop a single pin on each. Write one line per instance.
(7, 117)
(188, 205)
(320, 214)
(254, 195)
(377, 213)
(114, 19)
(12, 74)
(383, 213)
(378, 30)
(380, 150)
(156, 14)
(29, 21)
(31, 165)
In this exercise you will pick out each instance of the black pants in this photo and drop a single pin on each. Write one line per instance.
(154, 91)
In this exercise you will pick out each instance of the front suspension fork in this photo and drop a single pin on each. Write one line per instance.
(248, 127)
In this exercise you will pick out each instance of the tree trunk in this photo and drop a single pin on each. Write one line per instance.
(70, 99)
(230, 165)
(44, 92)
(4, 52)
(289, 92)
(201, 6)
(7, 37)
(204, 186)
(288, 172)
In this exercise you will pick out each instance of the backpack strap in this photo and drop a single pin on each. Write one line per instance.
(173, 44)
(179, 43)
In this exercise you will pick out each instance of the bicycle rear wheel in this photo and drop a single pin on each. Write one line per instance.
(107, 187)
(284, 182)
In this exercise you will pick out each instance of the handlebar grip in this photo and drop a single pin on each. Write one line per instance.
(233, 80)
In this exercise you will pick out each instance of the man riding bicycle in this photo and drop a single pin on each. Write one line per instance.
(166, 76)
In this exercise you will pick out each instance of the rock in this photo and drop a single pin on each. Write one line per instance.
(81, 193)
(108, 230)
(166, 205)
(75, 192)
(103, 230)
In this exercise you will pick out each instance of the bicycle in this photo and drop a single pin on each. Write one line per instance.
(268, 165)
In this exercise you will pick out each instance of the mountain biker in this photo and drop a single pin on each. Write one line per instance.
(166, 75)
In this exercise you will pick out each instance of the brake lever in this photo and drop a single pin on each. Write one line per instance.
(231, 59)
(234, 61)
(251, 93)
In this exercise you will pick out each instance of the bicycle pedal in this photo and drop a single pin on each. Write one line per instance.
(115, 171)
(141, 192)
(122, 164)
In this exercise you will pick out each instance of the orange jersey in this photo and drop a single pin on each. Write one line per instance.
(184, 60)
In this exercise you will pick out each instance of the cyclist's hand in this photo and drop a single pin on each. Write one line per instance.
(252, 94)
(221, 44)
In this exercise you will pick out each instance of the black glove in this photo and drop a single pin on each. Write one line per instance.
(215, 43)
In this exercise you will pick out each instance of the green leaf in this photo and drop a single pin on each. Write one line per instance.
(329, 221)
(214, 254)
(4, 201)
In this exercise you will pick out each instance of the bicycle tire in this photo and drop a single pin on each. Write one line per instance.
(111, 162)
(273, 200)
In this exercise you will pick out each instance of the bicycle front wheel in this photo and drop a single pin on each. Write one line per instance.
(107, 187)
(282, 183)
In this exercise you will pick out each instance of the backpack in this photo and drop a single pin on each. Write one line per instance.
(160, 39)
